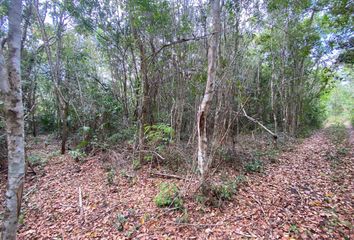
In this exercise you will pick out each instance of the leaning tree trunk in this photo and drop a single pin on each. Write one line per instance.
(12, 92)
(203, 161)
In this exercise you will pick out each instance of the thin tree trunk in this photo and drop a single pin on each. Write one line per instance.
(203, 161)
(144, 102)
(65, 129)
(12, 92)
(55, 69)
(273, 97)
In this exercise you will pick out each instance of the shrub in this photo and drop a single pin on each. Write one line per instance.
(148, 157)
(123, 135)
(110, 176)
(168, 196)
(225, 154)
(77, 155)
(136, 164)
(158, 134)
(120, 221)
(215, 194)
(240, 179)
(36, 160)
(54, 154)
(254, 166)
(225, 191)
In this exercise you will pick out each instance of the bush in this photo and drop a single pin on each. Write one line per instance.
(54, 154)
(120, 221)
(254, 166)
(168, 196)
(159, 134)
(110, 176)
(123, 135)
(225, 191)
(36, 161)
(77, 155)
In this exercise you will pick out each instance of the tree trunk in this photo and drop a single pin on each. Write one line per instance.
(273, 96)
(144, 99)
(64, 124)
(203, 161)
(12, 92)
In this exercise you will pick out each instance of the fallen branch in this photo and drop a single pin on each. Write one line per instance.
(275, 137)
(247, 235)
(198, 224)
(30, 191)
(80, 205)
(167, 175)
(260, 205)
(153, 152)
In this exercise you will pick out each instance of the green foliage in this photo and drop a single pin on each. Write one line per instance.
(148, 157)
(216, 194)
(122, 135)
(340, 101)
(168, 196)
(158, 134)
(240, 179)
(21, 219)
(136, 164)
(120, 221)
(225, 191)
(293, 229)
(154, 15)
(47, 122)
(254, 166)
(111, 176)
(54, 154)
(78, 155)
(37, 161)
(82, 144)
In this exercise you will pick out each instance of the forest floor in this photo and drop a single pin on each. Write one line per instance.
(306, 194)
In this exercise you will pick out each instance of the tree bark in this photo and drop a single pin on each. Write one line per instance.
(144, 100)
(12, 92)
(203, 161)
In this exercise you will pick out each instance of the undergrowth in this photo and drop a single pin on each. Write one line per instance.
(215, 194)
(168, 196)
(338, 135)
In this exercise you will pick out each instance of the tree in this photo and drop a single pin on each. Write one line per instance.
(55, 64)
(203, 161)
(12, 94)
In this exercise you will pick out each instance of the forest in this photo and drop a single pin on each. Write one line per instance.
(176, 119)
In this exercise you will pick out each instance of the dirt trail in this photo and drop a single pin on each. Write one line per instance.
(305, 195)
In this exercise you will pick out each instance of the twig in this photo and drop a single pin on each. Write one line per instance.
(259, 123)
(260, 205)
(198, 224)
(167, 175)
(246, 235)
(165, 212)
(147, 151)
(80, 204)
(30, 191)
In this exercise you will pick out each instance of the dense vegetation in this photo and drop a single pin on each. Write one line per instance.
(273, 62)
(139, 73)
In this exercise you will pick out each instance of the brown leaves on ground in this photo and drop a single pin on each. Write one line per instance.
(303, 196)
